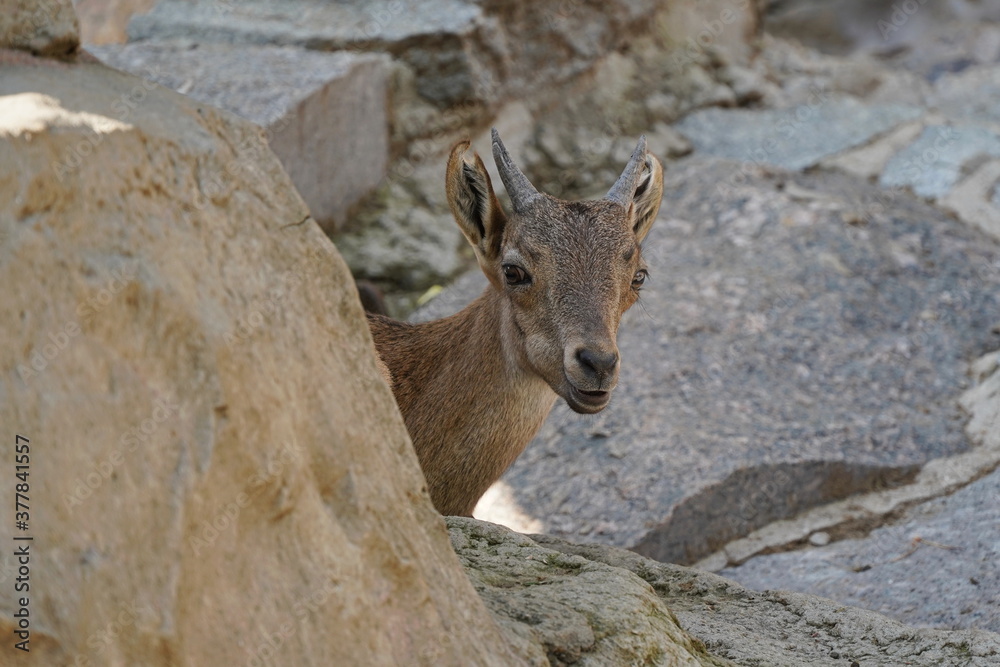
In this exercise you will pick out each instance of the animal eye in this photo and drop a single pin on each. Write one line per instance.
(639, 278)
(515, 275)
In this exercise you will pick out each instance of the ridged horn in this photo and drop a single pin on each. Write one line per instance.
(623, 190)
(519, 188)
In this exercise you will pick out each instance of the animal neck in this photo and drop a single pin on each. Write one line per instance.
(469, 404)
(485, 362)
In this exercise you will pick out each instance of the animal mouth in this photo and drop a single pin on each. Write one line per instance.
(587, 401)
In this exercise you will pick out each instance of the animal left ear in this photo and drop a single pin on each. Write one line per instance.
(647, 197)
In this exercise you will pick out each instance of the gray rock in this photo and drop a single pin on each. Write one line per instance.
(843, 26)
(320, 25)
(972, 94)
(932, 164)
(795, 138)
(606, 606)
(325, 114)
(802, 338)
(949, 47)
(936, 566)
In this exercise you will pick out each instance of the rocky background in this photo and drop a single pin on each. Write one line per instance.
(810, 398)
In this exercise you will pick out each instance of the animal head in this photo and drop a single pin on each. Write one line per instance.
(566, 271)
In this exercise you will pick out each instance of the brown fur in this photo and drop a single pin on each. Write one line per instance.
(474, 388)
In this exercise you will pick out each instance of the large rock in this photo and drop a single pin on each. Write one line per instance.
(218, 474)
(598, 605)
(325, 113)
(802, 338)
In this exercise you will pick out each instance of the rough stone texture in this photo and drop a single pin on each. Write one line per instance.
(563, 609)
(216, 465)
(527, 583)
(972, 94)
(325, 114)
(794, 138)
(844, 26)
(802, 338)
(940, 48)
(104, 21)
(947, 89)
(975, 200)
(45, 28)
(726, 26)
(982, 402)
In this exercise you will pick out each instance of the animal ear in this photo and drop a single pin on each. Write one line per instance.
(473, 203)
(647, 197)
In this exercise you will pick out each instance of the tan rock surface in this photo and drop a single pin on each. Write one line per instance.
(48, 28)
(218, 474)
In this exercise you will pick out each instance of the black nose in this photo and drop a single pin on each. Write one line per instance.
(598, 364)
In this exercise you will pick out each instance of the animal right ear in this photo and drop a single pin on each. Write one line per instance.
(473, 202)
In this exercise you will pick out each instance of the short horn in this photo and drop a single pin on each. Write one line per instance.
(519, 188)
(623, 190)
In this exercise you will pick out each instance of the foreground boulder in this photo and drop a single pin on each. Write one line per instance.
(218, 475)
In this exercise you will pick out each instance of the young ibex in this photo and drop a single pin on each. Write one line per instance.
(475, 387)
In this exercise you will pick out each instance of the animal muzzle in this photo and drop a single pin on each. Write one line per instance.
(592, 372)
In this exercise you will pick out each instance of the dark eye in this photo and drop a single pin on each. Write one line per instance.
(515, 275)
(639, 278)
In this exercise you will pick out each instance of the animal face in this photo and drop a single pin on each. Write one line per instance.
(566, 271)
